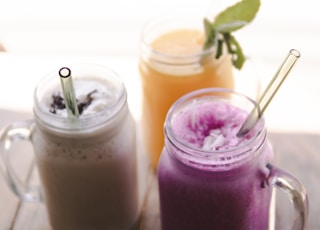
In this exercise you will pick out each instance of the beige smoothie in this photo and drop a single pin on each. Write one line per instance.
(87, 165)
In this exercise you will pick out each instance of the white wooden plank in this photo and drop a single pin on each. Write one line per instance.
(20, 157)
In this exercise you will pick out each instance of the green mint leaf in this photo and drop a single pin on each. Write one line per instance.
(236, 16)
(229, 27)
(210, 33)
(219, 49)
(231, 19)
(235, 50)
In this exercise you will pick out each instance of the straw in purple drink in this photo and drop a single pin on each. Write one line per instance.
(269, 92)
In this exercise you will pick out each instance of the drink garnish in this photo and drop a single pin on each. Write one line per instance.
(218, 31)
(58, 102)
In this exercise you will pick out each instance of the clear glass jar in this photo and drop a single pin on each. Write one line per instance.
(165, 77)
(87, 165)
(221, 187)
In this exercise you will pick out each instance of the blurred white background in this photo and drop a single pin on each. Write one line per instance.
(112, 29)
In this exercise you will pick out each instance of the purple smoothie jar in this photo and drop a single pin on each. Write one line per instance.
(211, 179)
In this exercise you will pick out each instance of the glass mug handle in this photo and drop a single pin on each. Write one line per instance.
(296, 191)
(19, 131)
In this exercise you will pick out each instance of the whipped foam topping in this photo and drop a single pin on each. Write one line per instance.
(92, 97)
(211, 126)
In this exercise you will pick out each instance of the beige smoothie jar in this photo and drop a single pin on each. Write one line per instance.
(87, 165)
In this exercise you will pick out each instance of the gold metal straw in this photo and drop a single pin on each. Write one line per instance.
(68, 92)
(269, 92)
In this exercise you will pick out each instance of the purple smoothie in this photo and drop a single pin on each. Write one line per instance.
(208, 177)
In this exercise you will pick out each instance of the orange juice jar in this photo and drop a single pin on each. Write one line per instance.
(173, 63)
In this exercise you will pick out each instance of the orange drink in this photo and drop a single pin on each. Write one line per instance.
(173, 63)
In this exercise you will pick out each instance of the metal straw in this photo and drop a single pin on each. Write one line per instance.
(68, 92)
(269, 92)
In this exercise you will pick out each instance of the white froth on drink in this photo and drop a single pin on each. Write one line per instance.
(219, 140)
(211, 126)
(103, 95)
(214, 140)
(223, 138)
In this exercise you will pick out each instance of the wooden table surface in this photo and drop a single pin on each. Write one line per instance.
(296, 152)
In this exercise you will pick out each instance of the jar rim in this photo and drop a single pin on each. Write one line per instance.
(213, 159)
(62, 124)
(174, 22)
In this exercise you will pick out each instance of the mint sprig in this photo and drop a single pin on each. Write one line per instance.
(218, 32)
